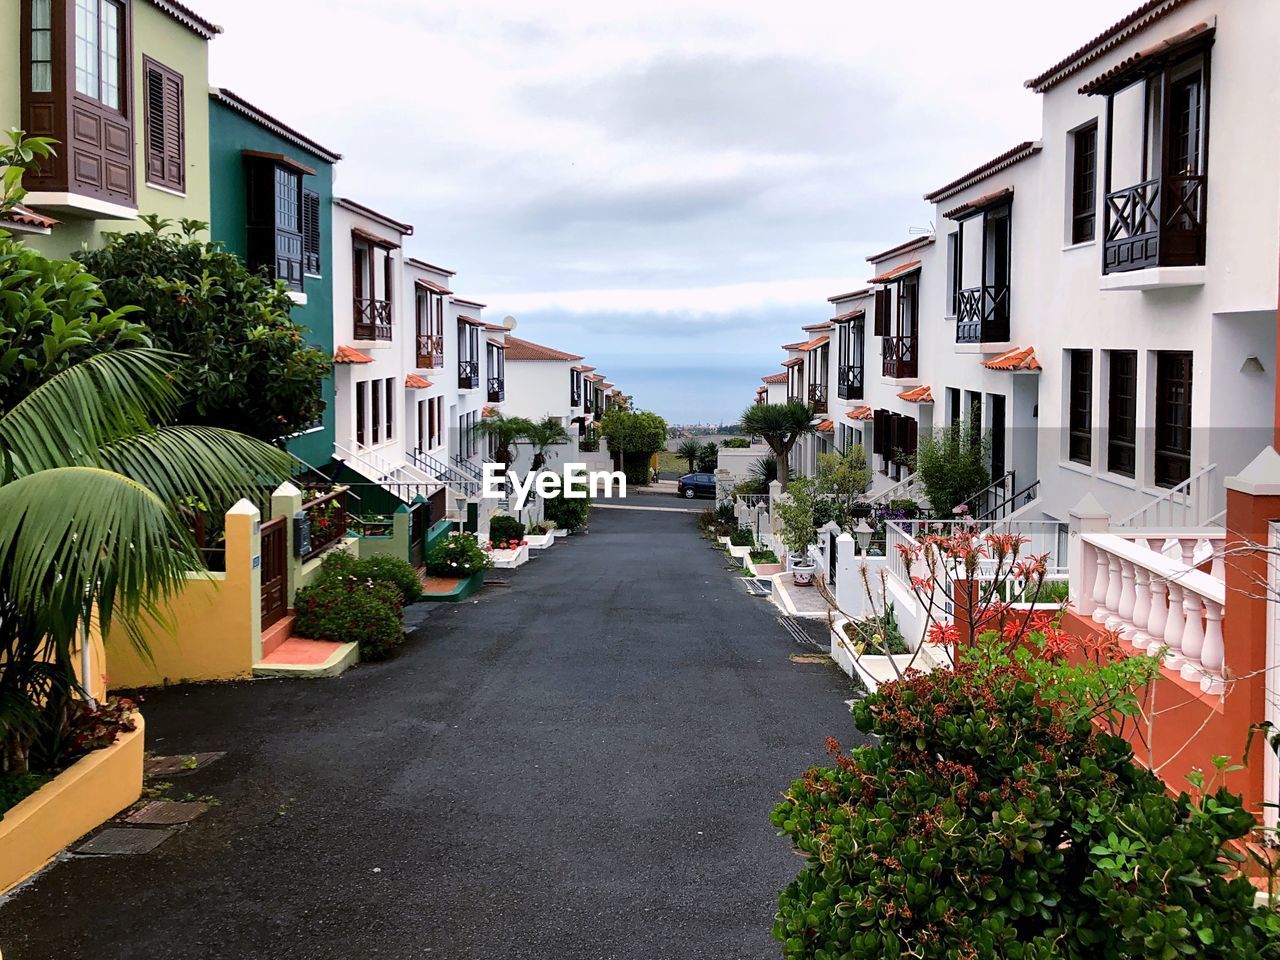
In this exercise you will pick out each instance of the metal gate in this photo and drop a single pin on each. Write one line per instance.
(833, 557)
(275, 571)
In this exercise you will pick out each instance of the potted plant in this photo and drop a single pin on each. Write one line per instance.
(795, 511)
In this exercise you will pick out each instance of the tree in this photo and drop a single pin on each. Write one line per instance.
(735, 443)
(248, 366)
(689, 451)
(780, 425)
(708, 458)
(20, 154)
(796, 511)
(91, 478)
(952, 466)
(636, 435)
(505, 432)
(542, 436)
(845, 477)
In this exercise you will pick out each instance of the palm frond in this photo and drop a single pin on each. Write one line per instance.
(105, 398)
(218, 466)
(76, 538)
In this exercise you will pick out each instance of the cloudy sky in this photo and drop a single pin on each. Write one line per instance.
(671, 188)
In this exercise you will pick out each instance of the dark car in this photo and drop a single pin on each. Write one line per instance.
(696, 485)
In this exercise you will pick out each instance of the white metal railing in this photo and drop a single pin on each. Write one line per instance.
(401, 479)
(908, 489)
(897, 542)
(1159, 604)
(1192, 503)
(1047, 538)
(445, 473)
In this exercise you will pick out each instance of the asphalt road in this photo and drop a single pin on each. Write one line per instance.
(579, 765)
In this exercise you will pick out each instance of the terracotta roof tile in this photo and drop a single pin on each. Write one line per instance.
(775, 378)
(1028, 148)
(826, 426)
(890, 275)
(995, 198)
(915, 243)
(433, 286)
(495, 342)
(423, 265)
(860, 413)
(526, 351)
(798, 345)
(1019, 358)
(345, 354)
(815, 343)
(1128, 68)
(1109, 39)
(851, 315)
(917, 395)
(471, 320)
(29, 218)
(794, 363)
(415, 382)
(854, 295)
(584, 369)
(594, 378)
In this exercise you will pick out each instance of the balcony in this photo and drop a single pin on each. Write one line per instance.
(430, 352)
(982, 315)
(497, 389)
(850, 382)
(468, 375)
(372, 319)
(900, 358)
(818, 397)
(575, 398)
(1157, 223)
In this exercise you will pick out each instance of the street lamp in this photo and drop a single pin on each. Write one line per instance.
(863, 533)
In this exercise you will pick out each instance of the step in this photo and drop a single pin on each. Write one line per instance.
(298, 657)
(276, 634)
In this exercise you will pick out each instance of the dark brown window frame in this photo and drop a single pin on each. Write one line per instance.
(1084, 184)
(165, 135)
(1080, 407)
(1122, 413)
(1172, 436)
(312, 245)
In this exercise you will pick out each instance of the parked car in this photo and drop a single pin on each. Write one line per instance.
(696, 485)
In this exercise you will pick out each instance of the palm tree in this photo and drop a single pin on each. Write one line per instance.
(90, 527)
(690, 451)
(505, 432)
(542, 436)
(780, 425)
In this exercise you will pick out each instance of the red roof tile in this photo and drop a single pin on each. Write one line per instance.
(918, 395)
(826, 426)
(29, 218)
(471, 320)
(915, 243)
(415, 382)
(794, 363)
(584, 369)
(815, 344)
(1109, 39)
(794, 346)
(851, 315)
(1019, 358)
(860, 413)
(1028, 148)
(775, 378)
(432, 286)
(594, 378)
(1130, 68)
(526, 351)
(891, 275)
(346, 354)
(970, 207)
(495, 342)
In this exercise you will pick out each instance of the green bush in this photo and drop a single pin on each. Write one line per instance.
(763, 556)
(725, 512)
(990, 818)
(339, 565)
(952, 465)
(504, 529)
(458, 556)
(351, 609)
(742, 538)
(565, 513)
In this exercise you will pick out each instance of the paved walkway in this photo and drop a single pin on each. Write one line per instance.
(579, 765)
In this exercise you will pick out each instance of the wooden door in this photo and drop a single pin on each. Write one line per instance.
(275, 571)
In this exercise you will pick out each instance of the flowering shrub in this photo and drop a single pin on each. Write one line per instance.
(992, 819)
(399, 573)
(352, 609)
(506, 533)
(458, 556)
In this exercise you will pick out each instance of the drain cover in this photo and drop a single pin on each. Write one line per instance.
(118, 841)
(162, 813)
(759, 588)
(176, 766)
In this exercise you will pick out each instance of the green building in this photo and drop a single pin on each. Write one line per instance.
(271, 203)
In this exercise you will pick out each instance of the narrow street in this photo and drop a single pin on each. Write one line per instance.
(578, 765)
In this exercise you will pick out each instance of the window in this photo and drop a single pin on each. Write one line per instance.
(362, 406)
(311, 233)
(1084, 183)
(377, 411)
(1122, 412)
(953, 272)
(1173, 418)
(99, 43)
(1080, 407)
(275, 218)
(41, 46)
(953, 405)
(390, 391)
(165, 127)
(881, 327)
(998, 459)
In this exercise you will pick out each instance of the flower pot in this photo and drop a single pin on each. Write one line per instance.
(802, 573)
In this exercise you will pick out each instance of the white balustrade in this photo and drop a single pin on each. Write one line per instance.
(1160, 604)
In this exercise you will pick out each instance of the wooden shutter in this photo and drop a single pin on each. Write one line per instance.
(165, 127)
(879, 432)
(882, 313)
(311, 232)
(912, 437)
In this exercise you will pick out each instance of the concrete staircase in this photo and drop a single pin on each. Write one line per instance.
(284, 655)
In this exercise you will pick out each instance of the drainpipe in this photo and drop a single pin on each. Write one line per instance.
(86, 666)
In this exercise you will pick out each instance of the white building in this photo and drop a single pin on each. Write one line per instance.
(1095, 299)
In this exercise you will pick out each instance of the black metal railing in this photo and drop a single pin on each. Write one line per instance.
(982, 314)
(850, 380)
(1156, 223)
(818, 397)
(900, 358)
(468, 375)
(430, 351)
(372, 319)
(326, 523)
(497, 389)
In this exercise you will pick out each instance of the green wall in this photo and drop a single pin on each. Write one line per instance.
(231, 132)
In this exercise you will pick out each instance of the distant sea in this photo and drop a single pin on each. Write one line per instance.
(710, 394)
